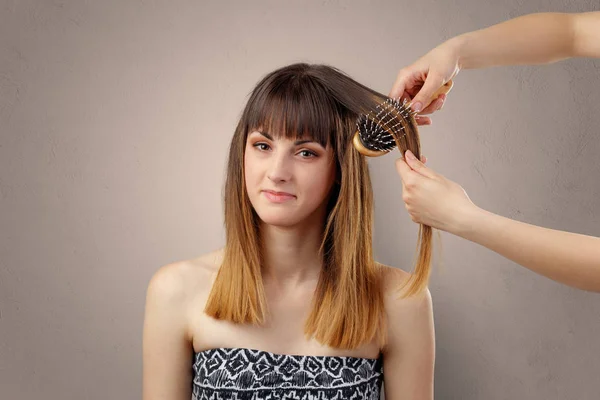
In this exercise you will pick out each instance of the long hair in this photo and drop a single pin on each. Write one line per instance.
(323, 103)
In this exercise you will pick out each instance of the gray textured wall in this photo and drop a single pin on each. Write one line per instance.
(115, 117)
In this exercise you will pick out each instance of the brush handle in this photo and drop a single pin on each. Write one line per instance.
(443, 90)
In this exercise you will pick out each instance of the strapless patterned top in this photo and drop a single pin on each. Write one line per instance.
(249, 374)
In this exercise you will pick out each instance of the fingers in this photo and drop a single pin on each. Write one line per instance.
(435, 105)
(417, 165)
(408, 83)
(403, 170)
(399, 86)
(423, 98)
(422, 120)
(407, 167)
(405, 97)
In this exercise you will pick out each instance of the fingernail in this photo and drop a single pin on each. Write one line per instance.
(417, 107)
(410, 155)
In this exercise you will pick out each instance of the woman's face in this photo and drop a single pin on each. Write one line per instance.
(287, 180)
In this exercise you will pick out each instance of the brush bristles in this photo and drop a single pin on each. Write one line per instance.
(378, 131)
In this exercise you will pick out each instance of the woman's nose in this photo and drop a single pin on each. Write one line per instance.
(280, 168)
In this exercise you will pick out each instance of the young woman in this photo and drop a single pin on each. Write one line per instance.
(294, 305)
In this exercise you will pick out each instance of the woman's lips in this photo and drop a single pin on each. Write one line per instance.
(278, 197)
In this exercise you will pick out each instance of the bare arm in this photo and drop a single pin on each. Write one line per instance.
(167, 349)
(409, 357)
(569, 258)
(587, 35)
(531, 39)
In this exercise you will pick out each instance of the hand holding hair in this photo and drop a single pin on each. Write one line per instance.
(421, 190)
(565, 257)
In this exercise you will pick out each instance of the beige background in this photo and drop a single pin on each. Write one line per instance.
(115, 117)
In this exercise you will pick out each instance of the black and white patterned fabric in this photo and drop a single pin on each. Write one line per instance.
(248, 374)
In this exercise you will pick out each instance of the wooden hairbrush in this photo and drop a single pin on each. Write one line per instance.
(380, 131)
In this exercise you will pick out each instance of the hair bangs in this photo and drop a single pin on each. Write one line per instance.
(295, 107)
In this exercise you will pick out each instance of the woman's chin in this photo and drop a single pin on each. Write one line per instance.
(279, 219)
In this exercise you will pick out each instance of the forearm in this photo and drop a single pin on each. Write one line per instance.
(587, 35)
(569, 258)
(530, 39)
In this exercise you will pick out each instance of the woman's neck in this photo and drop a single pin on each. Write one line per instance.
(291, 254)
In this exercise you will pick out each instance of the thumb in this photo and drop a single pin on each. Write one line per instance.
(424, 97)
(417, 165)
(403, 169)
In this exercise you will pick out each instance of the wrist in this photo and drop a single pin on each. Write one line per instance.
(467, 221)
(459, 45)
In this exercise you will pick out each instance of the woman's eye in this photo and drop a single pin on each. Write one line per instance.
(261, 146)
(307, 154)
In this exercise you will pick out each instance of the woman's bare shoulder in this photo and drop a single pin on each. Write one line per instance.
(409, 319)
(391, 277)
(168, 334)
(206, 264)
(183, 277)
(392, 280)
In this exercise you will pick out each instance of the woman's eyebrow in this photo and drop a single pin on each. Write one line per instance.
(296, 143)
(265, 134)
(299, 142)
